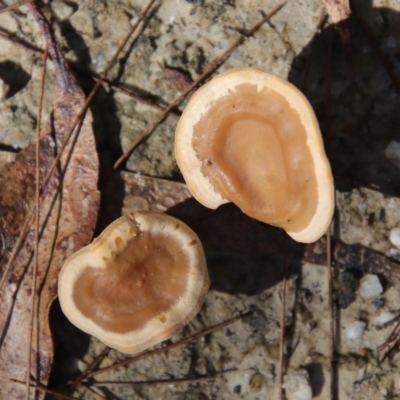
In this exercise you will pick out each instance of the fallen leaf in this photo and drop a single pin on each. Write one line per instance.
(68, 214)
(179, 79)
(339, 12)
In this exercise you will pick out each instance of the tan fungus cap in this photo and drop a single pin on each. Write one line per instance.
(252, 138)
(138, 283)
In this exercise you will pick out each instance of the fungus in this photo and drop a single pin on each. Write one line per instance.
(251, 138)
(136, 284)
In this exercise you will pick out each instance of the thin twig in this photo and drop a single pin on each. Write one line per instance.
(91, 390)
(328, 238)
(95, 363)
(331, 317)
(76, 121)
(283, 329)
(106, 82)
(36, 250)
(392, 340)
(14, 6)
(376, 47)
(45, 390)
(24, 45)
(216, 63)
(169, 347)
(391, 322)
(163, 381)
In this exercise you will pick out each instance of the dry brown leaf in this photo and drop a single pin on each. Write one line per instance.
(135, 192)
(179, 79)
(339, 12)
(68, 215)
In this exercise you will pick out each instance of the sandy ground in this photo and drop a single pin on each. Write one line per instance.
(359, 120)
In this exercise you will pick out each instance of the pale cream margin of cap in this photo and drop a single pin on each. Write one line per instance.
(223, 84)
(154, 331)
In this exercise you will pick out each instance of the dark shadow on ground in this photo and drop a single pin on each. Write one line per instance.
(244, 256)
(70, 345)
(14, 76)
(362, 116)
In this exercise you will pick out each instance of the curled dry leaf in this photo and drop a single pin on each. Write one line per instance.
(68, 214)
(339, 12)
(179, 79)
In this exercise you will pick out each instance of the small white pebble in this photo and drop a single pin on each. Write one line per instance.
(392, 152)
(362, 206)
(133, 21)
(297, 385)
(172, 19)
(99, 62)
(382, 318)
(81, 365)
(355, 330)
(280, 26)
(394, 237)
(61, 10)
(392, 252)
(370, 287)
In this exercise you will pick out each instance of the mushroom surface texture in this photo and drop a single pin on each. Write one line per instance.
(252, 138)
(136, 284)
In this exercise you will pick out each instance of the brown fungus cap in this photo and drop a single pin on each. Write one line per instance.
(251, 138)
(138, 283)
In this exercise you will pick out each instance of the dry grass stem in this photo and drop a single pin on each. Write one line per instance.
(106, 83)
(169, 347)
(283, 331)
(109, 85)
(37, 216)
(24, 45)
(48, 391)
(93, 391)
(15, 5)
(210, 69)
(163, 381)
(91, 366)
(331, 317)
(328, 239)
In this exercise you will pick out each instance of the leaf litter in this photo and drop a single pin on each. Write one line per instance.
(68, 214)
(314, 254)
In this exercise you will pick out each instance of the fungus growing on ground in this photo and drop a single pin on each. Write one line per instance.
(136, 284)
(251, 138)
